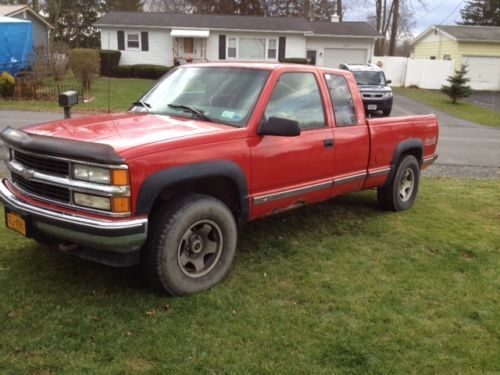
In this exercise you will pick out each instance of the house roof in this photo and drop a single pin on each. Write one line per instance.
(236, 22)
(465, 33)
(13, 10)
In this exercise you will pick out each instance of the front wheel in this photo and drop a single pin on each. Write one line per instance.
(400, 193)
(191, 246)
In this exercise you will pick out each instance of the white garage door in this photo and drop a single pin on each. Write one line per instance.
(484, 72)
(333, 57)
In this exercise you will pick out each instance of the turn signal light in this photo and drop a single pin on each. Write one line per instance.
(120, 204)
(119, 177)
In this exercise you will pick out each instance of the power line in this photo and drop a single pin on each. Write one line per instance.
(452, 12)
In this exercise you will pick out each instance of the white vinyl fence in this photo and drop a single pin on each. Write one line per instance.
(424, 73)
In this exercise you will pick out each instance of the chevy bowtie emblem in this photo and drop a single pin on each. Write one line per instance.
(27, 174)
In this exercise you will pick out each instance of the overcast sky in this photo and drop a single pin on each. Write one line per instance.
(445, 12)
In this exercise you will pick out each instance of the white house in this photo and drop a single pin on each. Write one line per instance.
(162, 38)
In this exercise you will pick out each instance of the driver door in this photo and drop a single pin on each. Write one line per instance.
(288, 171)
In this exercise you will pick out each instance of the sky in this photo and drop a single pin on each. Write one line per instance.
(445, 12)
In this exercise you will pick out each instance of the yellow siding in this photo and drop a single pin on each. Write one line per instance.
(477, 49)
(424, 50)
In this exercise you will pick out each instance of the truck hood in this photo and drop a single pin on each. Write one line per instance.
(126, 130)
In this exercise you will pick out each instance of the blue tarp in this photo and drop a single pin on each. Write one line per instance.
(16, 44)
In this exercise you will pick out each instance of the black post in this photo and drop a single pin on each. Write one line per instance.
(67, 112)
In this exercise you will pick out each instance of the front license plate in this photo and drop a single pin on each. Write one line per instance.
(16, 222)
(372, 107)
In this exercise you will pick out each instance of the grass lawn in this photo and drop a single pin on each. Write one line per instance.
(440, 101)
(338, 287)
(123, 93)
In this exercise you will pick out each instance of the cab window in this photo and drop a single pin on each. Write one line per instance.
(297, 97)
(342, 102)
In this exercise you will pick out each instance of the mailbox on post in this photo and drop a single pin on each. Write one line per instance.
(67, 100)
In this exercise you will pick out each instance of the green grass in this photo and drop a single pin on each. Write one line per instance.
(462, 110)
(123, 92)
(339, 287)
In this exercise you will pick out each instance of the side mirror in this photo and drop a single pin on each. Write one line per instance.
(389, 81)
(280, 126)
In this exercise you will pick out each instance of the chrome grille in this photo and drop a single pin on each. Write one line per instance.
(38, 163)
(372, 96)
(44, 191)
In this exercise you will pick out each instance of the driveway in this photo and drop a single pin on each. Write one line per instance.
(465, 149)
(17, 119)
(486, 99)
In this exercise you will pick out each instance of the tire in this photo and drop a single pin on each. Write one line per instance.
(400, 193)
(191, 245)
(387, 112)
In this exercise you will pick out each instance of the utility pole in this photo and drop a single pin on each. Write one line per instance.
(378, 20)
(306, 9)
(339, 10)
(394, 28)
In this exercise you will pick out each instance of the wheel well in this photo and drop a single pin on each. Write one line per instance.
(221, 188)
(416, 151)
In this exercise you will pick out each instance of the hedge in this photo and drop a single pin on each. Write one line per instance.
(140, 71)
(296, 60)
(109, 59)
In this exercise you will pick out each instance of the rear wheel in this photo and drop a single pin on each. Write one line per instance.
(191, 246)
(400, 193)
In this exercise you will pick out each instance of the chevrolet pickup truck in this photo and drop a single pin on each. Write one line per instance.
(208, 148)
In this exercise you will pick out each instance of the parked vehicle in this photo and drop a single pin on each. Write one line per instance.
(375, 90)
(208, 148)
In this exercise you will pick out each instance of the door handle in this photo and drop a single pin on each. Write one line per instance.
(328, 142)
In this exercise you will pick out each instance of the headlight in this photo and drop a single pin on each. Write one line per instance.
(91, 174)
(92, 201)
(388, 95)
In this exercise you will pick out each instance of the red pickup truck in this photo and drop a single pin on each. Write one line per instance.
(209, 147)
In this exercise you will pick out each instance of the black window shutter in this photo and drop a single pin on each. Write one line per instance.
(222, 47)
(121, 40)
(281, 48)
(145, 41)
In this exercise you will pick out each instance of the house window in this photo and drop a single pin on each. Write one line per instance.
(133, 41)
(232, 48)
(446, 57)
(252, 48)
(188, 45)
(272, 46)
(248, 48)
(433, 57)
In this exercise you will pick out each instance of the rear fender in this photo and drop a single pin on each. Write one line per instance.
(405, 147)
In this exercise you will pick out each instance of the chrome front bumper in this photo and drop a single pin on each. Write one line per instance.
(118, 236)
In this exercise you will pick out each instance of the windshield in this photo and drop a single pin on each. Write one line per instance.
(220, 94)
(369, 78)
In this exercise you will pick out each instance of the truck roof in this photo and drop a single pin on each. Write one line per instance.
(263, 66)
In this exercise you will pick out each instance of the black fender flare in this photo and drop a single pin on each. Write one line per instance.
(159, 181)
(401, 148)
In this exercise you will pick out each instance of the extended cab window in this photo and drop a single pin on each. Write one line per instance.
(342, 102)
(297, 97)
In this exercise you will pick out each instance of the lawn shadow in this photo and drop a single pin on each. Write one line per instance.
(47, 268)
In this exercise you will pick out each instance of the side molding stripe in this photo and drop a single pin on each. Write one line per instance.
(292, 193)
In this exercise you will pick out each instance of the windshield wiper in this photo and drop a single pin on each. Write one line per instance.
(143, 104)
(195, 111)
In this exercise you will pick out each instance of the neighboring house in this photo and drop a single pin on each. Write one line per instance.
(476, 46)
(162, 38)
(41, 28)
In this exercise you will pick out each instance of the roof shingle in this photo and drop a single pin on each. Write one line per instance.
(473, 33)
(236, 22)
